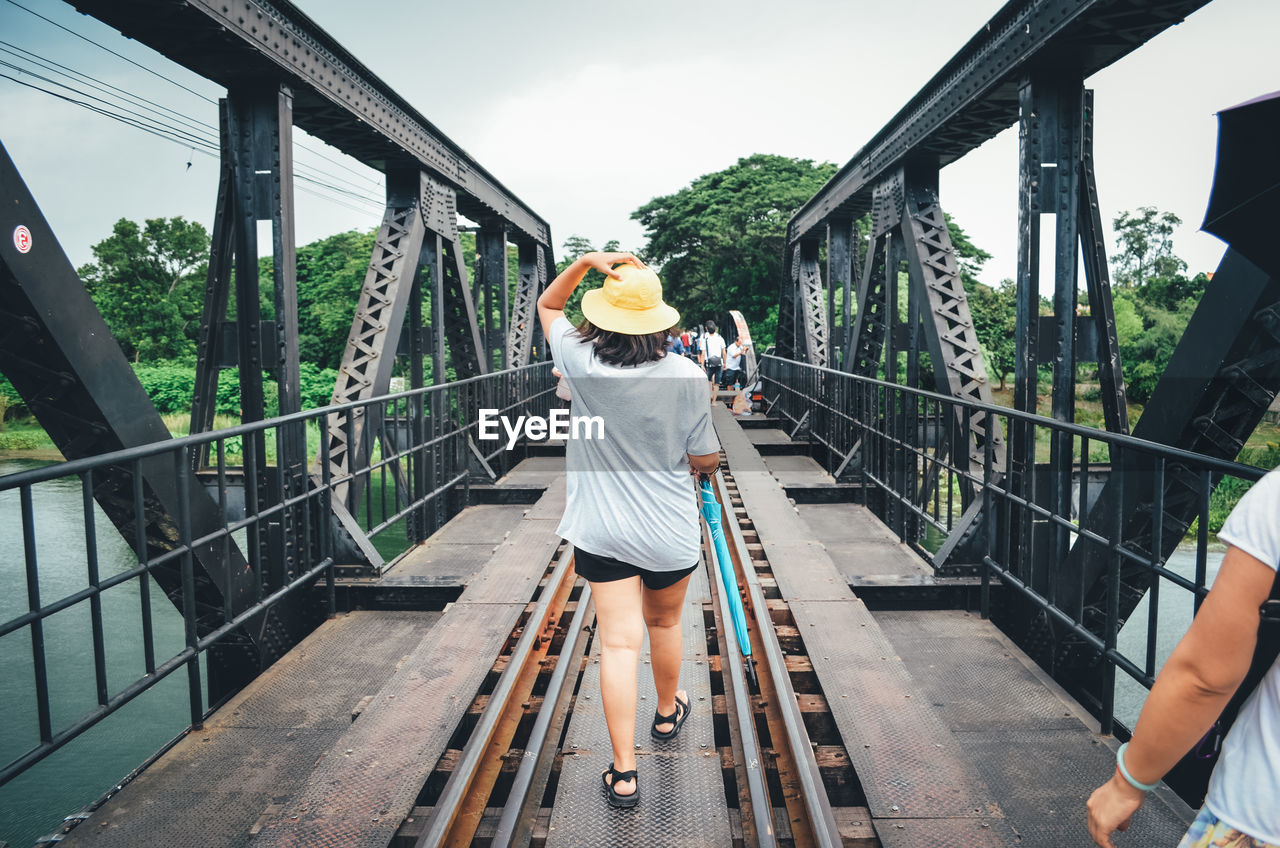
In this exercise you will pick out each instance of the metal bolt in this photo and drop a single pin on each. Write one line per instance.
(894, 808)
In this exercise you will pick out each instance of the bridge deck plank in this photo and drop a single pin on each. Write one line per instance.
(366, 784)
(212, 787)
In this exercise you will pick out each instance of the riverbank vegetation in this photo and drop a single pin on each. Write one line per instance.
(718, 243)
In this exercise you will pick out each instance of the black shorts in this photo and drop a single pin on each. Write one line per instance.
(602, 569)
(713, 374)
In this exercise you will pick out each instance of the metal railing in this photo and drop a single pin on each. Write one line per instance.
(426, 449)
(1078, 522)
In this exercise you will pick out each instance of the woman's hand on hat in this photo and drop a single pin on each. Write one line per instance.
(604, 261)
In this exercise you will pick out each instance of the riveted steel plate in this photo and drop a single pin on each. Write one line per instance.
(737, 446)
(845, 522)
(682, 799)
(972, 676)
(320, 681)
(804, 570)
(1044, 777)
(534, 471)
(364, 786)
(949, 833)
(767, 436)
(440, 564)
(209, 790)
(551, 504)
(910, 764)
(793, 470)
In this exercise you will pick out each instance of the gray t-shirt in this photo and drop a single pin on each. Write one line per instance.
(629, 494)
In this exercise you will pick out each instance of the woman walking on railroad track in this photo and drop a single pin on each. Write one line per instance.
(1242, 809)
(630, 508)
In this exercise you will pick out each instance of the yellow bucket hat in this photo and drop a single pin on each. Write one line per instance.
(631, 305)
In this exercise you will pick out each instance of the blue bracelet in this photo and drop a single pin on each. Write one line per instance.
(1124, 772)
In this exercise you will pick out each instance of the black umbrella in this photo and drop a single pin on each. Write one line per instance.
(1244, 208)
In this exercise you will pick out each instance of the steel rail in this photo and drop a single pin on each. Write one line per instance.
(731, 661)
(456, 790)
(537, 755)
(826, 832)
(974, 96)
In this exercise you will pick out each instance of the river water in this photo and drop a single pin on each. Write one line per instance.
(34, 804)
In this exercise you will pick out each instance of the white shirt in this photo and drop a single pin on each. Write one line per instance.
(713, 345)
(1244, 790)
(629, 495)
(734, 361)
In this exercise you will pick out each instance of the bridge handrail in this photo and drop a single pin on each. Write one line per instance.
(424, 464)
(1080, 540)
(124, 455)
(1223, 466)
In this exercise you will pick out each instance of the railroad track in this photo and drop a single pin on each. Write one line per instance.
(786, 774)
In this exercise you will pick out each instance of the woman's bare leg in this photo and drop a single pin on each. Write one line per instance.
(621, 629)
(662, 608)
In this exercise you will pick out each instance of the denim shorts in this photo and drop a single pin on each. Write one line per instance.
(602, 569)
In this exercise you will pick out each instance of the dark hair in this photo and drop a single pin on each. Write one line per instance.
(614, 348)
(711, 326)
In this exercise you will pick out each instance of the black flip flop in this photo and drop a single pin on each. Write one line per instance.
(677, 718)
(615, 799)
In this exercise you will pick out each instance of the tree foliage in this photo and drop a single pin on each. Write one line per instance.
(148, 283)
(719, 240)
(330, 274)
(1145, 240)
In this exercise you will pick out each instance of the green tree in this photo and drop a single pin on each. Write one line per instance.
(719, 240)
(1145, 240)
(995, 321)
(148, 283)
(330, 274)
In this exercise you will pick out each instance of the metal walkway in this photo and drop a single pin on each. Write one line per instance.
(958, 738)
(929, 727)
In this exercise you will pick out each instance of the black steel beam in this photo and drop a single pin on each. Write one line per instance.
(336, 98)
(975, 95)
(1218, 384)
(57, 351)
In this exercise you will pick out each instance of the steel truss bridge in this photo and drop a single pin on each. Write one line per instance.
(257, 540)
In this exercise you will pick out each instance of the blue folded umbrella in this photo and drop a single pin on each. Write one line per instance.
(728, 580)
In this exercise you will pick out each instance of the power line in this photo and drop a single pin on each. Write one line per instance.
(112, 52)
(181, 137)
(171, 81)
(181, 133)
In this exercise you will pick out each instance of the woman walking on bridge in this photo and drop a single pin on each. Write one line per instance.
(630, 510)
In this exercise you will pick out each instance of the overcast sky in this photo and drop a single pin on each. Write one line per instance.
(586, 110)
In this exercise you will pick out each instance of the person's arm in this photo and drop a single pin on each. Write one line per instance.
(552, 300)
(1191, 690)
(705, 463)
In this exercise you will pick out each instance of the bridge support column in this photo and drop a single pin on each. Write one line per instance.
(524, 310)
(842, 243)
(491, 244)
(256, 185)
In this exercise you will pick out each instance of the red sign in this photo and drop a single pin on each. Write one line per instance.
(22, 239)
